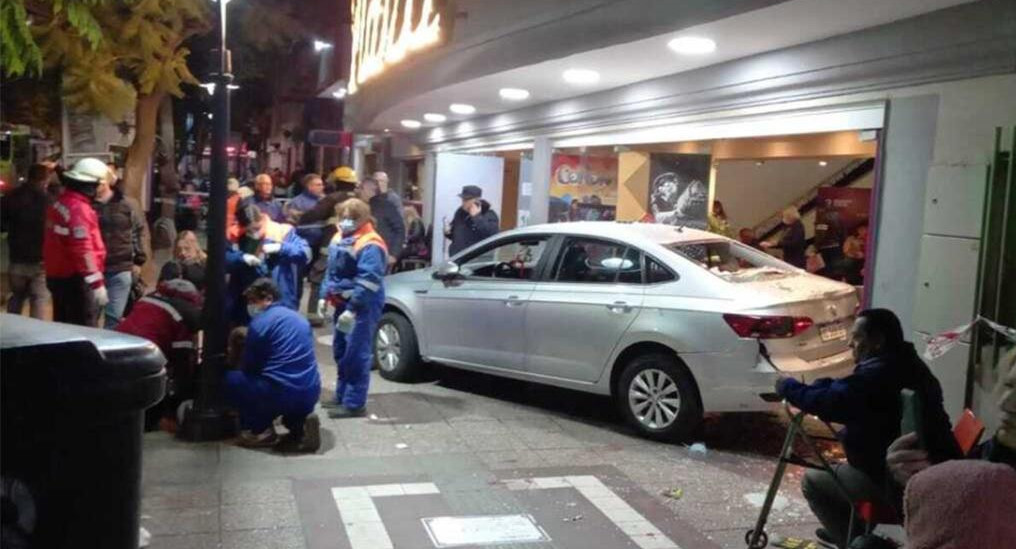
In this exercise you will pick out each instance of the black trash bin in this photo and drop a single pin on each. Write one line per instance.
(73, 402)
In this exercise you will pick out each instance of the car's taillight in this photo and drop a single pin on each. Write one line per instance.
(767, 327)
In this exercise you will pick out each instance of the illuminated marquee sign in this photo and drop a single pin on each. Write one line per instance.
(384, 31)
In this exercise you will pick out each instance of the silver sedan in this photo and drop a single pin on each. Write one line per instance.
(670, 322)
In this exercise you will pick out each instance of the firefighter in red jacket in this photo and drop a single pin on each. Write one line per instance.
(73, 252)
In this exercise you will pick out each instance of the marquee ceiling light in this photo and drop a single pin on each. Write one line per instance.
(692, 45)
(339, 93)
(435, 117)
(461, 108)
(411, 124)
(581, 76)
(514, 94)
(320, 46)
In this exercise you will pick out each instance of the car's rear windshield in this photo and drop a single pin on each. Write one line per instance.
(732, 261)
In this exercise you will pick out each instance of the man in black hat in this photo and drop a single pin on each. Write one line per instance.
(473, 222)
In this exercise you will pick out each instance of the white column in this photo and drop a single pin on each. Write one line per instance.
(427, 187)
(539, 201)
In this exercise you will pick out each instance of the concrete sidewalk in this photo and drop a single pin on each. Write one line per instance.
(467, 460)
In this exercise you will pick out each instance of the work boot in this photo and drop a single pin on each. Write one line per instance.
(309, 443)
(342, 412)
(331, 405)
(264, 439)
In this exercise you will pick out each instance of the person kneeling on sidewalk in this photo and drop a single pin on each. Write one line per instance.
(278, 375)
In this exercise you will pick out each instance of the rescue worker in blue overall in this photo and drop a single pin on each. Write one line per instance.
(266, 248)
(354, 286)
(278, 375)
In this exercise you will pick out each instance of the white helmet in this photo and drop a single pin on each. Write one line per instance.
(88, 170)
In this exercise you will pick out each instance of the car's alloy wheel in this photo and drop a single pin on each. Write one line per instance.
(657, 396)
(654, 399)
(388, 347)
(396, 353)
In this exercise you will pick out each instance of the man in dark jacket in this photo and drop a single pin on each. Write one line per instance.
(24, 221)
(388, 218)
(867, 403)
(122, 232)
(473, 222)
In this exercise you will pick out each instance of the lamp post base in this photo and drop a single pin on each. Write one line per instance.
(208, 424)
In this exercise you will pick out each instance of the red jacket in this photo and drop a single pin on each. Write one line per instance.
(72, 243)
(160, 322)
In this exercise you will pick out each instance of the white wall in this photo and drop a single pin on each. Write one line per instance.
(455, 171)
(944, 202)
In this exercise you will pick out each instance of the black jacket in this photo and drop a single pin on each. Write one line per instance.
(867, 403)
(467, 230)
(24, 219)
(122, 231)
(794, 244)
(389, 223)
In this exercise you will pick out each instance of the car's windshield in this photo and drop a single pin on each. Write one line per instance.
(732, 261)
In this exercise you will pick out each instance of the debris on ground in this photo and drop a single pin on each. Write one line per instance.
(373, 417)
(676, 493)
(576, 518)
(402, 446)
(698, 449)
(756, 499)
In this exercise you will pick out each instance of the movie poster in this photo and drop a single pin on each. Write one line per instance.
(841, 232)
(583, 188)
(679, 189)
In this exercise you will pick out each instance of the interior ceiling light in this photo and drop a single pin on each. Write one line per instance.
(760, 162)
(514, 94)
(434, 117)
(411, 124)
(461, 108)
(692, 45)
(580, 76)
(387, 130)
(823, 163)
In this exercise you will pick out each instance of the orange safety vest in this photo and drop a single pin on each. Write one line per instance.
(365, 235)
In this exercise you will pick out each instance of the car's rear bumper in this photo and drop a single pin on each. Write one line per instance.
(752, 389)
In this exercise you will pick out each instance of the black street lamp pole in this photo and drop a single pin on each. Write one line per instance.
(207, 419)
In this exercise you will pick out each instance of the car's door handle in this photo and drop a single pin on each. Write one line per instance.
(513, 301)
(619, 307)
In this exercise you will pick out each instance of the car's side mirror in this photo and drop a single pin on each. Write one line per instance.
(447, 271)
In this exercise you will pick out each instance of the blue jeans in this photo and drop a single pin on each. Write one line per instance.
(260, 400)
(354, 355)
(118, 285)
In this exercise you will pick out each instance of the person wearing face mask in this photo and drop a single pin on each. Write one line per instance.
(73, 252)
(278, 375)
(266, 249)
(354, 286)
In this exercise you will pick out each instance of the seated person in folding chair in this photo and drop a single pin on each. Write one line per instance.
(906, 458)
(867, 403)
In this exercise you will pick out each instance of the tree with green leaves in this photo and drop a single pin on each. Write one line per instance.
(114, 57)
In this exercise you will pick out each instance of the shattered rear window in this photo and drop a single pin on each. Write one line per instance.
(732, 261)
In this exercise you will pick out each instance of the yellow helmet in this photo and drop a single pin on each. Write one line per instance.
(345, 174)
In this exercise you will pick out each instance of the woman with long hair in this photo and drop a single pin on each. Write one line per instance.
(188, 260)
(416, 235)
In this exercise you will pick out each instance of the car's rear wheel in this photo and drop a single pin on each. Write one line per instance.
(396, 353)
(657, 397)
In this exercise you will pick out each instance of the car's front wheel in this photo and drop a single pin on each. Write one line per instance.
(396, 353)
(657, 397)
